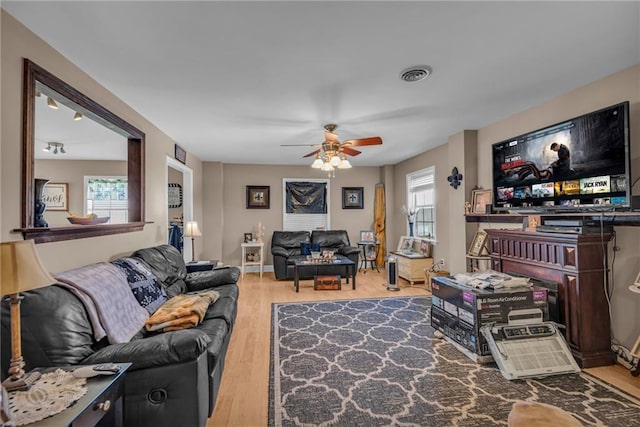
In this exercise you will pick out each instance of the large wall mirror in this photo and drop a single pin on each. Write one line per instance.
(92, 159)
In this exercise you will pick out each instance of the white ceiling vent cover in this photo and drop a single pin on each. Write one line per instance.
(415, 73)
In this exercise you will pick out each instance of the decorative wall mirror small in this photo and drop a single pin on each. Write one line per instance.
(42, 85)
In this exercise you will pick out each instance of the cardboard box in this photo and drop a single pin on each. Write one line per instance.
(327, 283)
(429, 275)
(459, 311)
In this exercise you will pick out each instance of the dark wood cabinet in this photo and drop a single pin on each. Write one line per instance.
(577, 263)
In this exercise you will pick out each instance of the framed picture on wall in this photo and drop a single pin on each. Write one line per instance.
(352, 197)
(257, 197)
(180, 154)
(56, 196)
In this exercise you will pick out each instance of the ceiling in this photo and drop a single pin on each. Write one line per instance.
(233, 81)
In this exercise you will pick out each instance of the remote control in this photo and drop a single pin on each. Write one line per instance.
(107, 367)
(93, 370)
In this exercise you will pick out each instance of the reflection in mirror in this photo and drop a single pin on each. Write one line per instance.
(87, 158)
(93, 159)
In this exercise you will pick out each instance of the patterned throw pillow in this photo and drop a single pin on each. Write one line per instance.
(143, 283)
(305, 248)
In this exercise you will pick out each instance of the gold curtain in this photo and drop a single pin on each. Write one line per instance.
(379, 222)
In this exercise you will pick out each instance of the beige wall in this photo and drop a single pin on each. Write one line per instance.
(238, 220)
(18, 42)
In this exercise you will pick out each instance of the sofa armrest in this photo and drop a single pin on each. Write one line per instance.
(201, 280)
(348, 250)
(279, 251)
(157, 350)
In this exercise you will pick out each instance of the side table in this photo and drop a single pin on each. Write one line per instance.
(370, 254)
(252, 254)
(103, 404)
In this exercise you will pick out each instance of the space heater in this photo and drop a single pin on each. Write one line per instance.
(392, 274)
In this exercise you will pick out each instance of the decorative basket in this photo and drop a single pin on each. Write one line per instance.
(88, 221)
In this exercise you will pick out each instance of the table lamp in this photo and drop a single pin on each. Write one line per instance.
(191, 230)
(21, 270)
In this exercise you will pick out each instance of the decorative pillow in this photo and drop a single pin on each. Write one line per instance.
(305, 248)
(315, 247)
(143, 283)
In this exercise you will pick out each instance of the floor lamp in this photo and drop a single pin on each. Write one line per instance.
(21, 271)
(191, 230)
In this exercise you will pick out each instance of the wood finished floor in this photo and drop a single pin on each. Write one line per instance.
(244, 394)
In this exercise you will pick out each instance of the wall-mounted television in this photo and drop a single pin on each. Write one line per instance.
(580, 164)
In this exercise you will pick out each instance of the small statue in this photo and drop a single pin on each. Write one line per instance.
(259, 232)
(467, 208)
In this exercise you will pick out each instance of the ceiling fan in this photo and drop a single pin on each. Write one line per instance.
(332, 153)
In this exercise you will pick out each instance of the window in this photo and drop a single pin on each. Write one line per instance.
(421, 199)
(298, 214)
(107, 196)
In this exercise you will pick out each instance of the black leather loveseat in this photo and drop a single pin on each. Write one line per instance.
(287, 246)
(174, 377)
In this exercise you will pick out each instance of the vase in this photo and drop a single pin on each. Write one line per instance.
(411, 229)
(40, 205)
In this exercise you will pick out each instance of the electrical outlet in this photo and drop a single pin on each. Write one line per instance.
(441, 262)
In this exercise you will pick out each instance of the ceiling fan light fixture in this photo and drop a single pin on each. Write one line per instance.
(327, 167)
(415, 73)
(335, 160)
(317, 163)
(51, 103)
(344, 163)
(77, 116)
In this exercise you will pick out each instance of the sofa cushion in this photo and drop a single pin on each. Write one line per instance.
(55, 329)
(143, 283)
(167, 265)
(330, 238)
(290, 239)
(200, 280)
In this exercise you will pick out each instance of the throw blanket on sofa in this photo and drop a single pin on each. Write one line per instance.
(181, 312)
(103, 289)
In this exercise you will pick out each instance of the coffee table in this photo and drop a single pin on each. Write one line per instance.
(349, 269)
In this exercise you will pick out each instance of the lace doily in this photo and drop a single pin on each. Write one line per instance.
(52, 393)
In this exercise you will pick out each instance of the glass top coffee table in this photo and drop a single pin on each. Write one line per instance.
(348, 268)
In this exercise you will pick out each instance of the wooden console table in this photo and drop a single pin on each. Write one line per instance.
(576, 262)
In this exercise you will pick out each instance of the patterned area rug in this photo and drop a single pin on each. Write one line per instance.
(374, 363)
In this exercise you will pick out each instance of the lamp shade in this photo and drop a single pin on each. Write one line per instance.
(191, 229)
(21, 268)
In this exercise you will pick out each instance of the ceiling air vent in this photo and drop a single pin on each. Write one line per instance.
(415, 74)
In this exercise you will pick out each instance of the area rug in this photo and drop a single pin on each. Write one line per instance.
(375, 362)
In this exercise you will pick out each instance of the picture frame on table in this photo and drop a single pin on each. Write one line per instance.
(56, 196)
(478, 246)
(480, 199)
(248, 237)
(258, 197)
(367, 236)
(352, 197)
(405, 244)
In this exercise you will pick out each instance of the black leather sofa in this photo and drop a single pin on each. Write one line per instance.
(174, 377)
(287, 246)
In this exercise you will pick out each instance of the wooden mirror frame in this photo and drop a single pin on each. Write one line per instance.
(135, 161)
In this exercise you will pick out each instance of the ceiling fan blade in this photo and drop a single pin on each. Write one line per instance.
(374, 140)
(313, 153)
(349, 151)
(300, 145)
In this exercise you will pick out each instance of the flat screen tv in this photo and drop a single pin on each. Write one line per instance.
(580, 164)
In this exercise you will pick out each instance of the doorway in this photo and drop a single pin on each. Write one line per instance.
(177, 173)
